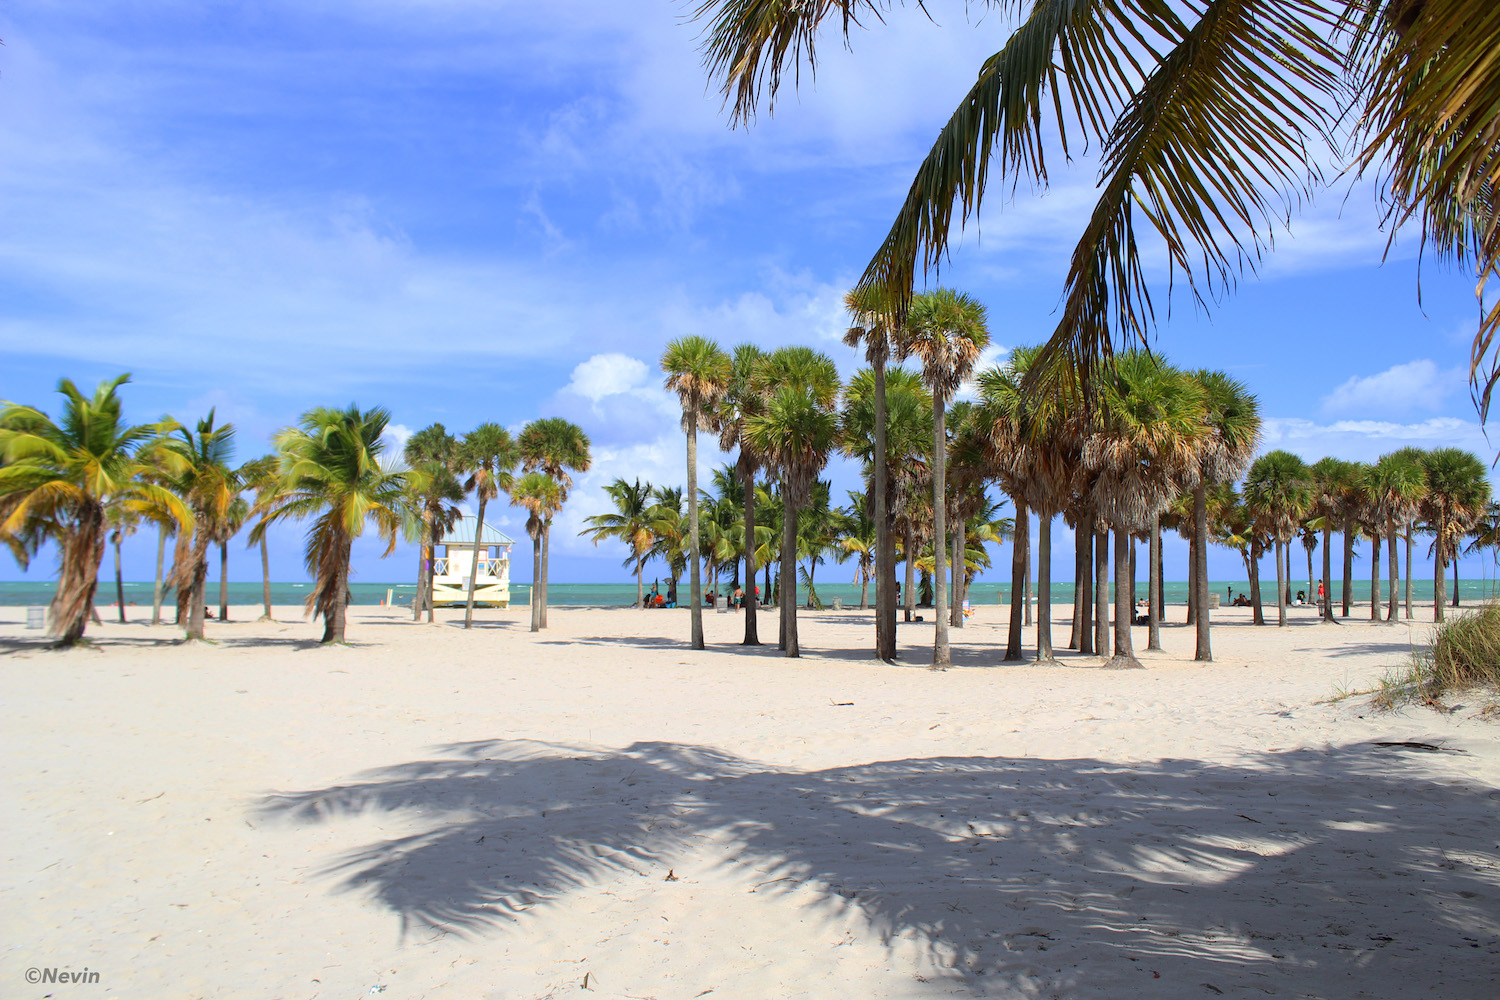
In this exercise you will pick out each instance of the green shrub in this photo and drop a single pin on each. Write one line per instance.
(1465, 653)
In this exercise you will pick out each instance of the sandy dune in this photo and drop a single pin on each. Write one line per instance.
(599, 811)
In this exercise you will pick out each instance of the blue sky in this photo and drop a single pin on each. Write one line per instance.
(471, 210)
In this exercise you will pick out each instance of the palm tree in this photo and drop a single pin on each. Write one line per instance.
(57, 479)
(699, 372)
(229, 526)
(1211, 131)
(1330, 479)
(1457, 494)
(1035, 442)
(331, 467)
(744, 396)
(795, 434)
(946, 331)
(630, 523)
(122, 522)
(1350, 502)
(908, 444)
(263, 476)
(1232, 419)
(540, 494)
(858, 539)
(1142, 448)
(1278, 493)
(1397, 484)
(488, 454)
(669, 530)
(557, 447)
(209, 487)
(432, 454)
(871, 326)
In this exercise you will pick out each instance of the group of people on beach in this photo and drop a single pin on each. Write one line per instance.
(656, 599)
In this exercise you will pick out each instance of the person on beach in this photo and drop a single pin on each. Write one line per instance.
(737, 599)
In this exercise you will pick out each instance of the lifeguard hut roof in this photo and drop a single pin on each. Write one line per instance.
(463, 534)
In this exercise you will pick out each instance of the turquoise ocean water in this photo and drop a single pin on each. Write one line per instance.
(620, 594)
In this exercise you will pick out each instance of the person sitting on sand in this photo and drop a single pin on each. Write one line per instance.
(1242, 601)
(1301, 599)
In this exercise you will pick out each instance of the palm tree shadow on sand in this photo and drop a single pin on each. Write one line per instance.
(1291, 873)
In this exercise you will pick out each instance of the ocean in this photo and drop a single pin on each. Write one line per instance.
(623, 594)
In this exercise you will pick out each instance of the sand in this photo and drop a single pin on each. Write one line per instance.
(598, 811)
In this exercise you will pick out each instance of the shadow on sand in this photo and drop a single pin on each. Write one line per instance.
(1344, 872)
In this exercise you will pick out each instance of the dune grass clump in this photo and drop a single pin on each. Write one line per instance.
(1465, 654)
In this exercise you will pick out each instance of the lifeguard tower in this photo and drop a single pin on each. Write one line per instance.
(450, 571)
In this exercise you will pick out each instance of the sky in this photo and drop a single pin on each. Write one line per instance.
(484, 210)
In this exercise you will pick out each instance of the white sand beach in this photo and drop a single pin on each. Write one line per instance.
(598, 811)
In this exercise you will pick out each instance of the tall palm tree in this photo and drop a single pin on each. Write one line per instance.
(56, 479)
(1279, 493)
(699, 372)
(122, 522)
(745, 396)
(946, 331)
(1232, 424)
(432, 454)
(1195, 133)
(331, 465)
(669, 533)
(908, 446)
(541, 496)
(1035, 442)
(209, 485)
(559, 448)
(262, 476)
(229, 526)
(1350, 502)
(858, 540)
(1397, 483)
(1330, 479)
(796, 434)
(630, 522)
(870, 326)
(1142, 447)
(1457, 494)
(488, 455)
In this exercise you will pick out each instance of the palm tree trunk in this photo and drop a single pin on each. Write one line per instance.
(536, 575)
(1455, 577)
(265, 579)
(910, 557)
(1311, 589)
(333, 619)
(223, 581)
(752, 631)
(787, 599)
(1083, 568)
(1044, 652)
(1192, 580)
(695, 580)
(78, 580)
(640, 586)
(1327, 602)
(1101, 589)
(1375, 576)
(161, 555)
(1026, 584)
(885, 538)
(541, 592)
(956, 577)
(119, 579)
(1257, 612)
(1280, 583)
(1124, 654)
(1073, 637)
(474, 568)
(1203, 650)
(197, 590)
(942, 655)
(1018, 561)
(424, 563)
(1408, 569)
(1348, 581)
(1439, 561)
(1393, 556)
(431, 599)
(1153, 588)
(864, 590)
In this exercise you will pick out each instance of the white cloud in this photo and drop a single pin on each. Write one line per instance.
(1367, 440)
(398, 434)
(1400, 389)
(607, 375)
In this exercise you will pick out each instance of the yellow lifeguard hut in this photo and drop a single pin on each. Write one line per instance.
(450, 571)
